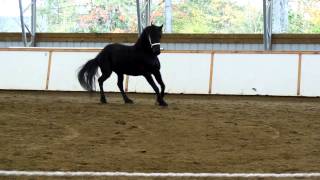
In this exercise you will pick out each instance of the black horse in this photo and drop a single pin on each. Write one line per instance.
(139, 59)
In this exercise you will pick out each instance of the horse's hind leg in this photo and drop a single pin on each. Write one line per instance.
(102, 78)
(120, 85)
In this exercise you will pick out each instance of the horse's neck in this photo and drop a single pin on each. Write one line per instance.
(142, 42)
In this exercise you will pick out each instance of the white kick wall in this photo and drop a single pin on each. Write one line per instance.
(252, 74)
(189, 72)
(23, 70)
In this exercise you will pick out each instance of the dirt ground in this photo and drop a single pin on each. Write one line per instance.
(72, 131)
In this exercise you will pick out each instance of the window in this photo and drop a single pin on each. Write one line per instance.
(188, 16)
(303, 16)
(10, 16)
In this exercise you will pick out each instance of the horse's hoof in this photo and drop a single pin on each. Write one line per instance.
(128, 101)
(163, 104)
(103, 101)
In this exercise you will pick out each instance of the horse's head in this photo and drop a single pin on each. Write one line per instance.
(154, 36)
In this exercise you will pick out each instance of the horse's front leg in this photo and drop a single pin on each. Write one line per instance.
(120, 85)
(156, 89)
(158, 77)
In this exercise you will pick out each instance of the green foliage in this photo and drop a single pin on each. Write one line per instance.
(56, 16)
(89, 16)
(189, 16)
(295, 22)
(304, 17)
(216, 16)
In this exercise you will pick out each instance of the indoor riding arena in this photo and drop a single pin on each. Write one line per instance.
(240, 105)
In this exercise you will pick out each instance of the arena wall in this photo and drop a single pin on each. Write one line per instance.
(250, 74)
(23, 69)
(190, 72)
(240, 42)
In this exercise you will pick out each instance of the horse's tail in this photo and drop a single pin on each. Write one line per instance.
(87, 74)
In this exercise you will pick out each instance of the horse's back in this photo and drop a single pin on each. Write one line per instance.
(115, 47)
(126, 59)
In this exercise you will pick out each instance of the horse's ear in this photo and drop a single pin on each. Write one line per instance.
(161, 26)
(151, 23)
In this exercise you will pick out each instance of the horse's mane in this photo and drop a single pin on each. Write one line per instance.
(142, 42)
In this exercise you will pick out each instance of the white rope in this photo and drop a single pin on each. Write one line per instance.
(153, 44)
(138, 174)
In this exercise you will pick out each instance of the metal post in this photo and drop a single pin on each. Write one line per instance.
(143, 14)
(168, 12)
(267, 21)
(138, 16)
(33, 22)
(24, 26)
(148, 12)
(24, 36)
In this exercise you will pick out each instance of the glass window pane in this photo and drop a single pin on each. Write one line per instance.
(10, 15)
(86, 16)
(188, 16)
(303, 16)
(217, 16)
